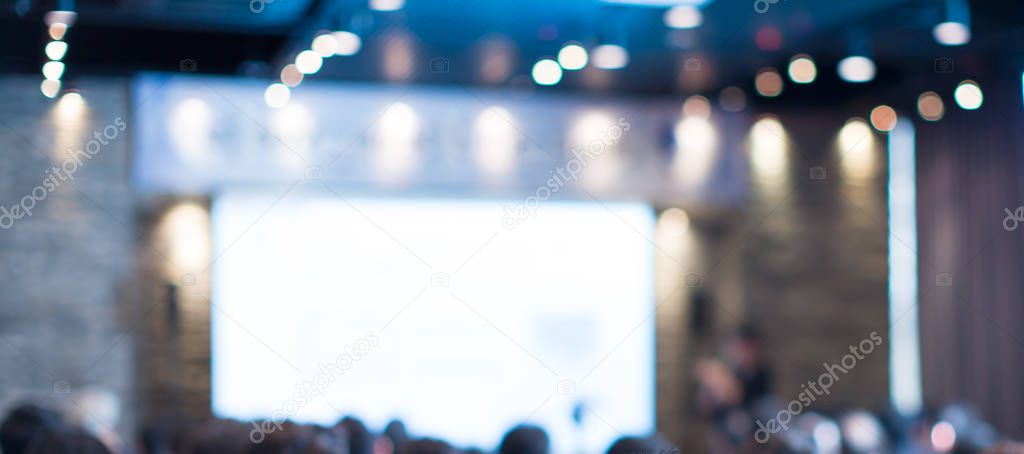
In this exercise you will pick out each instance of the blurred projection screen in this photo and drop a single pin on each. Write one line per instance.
(462, 318)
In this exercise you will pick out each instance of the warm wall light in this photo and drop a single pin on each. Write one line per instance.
(610, 56)
(696, 144)
(768, 83)
(547, 72)
(495, 140)
(857, 149)
(856, 69)
(185, 230)
(768, 144)
(673, 222)
(191, 126)
(395, 138)
(930, 106)
(883, 118)
(802, 69)
(71, 106)
(968, 95)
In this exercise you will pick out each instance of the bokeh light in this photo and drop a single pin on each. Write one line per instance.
(697, 106)
(277, 95)
(50, 88)
(291, 76)
(943, 437)
(55, 50)
(325, 45)
(968, 95)
(768, 83)
(547, 72)
(883, 118)
(348, 43)
(930, 106)
(572, 57)
(53, 70)
(952, 33)
(309, 62)
(732, 99)
(610, 56)
(683, 17)
(856, 69)
(802, 69)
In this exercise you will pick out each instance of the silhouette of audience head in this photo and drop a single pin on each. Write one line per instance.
(525, 440)
(23, 424)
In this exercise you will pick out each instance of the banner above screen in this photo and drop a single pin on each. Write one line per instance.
(199, 134)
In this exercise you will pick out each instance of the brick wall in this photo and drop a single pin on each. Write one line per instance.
(66, 316)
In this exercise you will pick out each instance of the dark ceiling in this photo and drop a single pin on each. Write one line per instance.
(226, 37)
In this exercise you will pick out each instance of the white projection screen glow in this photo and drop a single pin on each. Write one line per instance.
(436, 313)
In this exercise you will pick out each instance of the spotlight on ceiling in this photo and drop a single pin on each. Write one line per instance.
(856, 69)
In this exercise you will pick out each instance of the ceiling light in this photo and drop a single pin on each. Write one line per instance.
(572, 57)
(547, 72)
(610, 56)
(856, 69)
(309, 62)
(683, 17)
(55, 50)
(952, 33)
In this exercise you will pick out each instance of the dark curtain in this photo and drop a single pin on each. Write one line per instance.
(970, 169)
